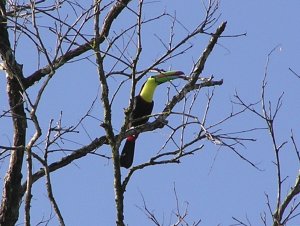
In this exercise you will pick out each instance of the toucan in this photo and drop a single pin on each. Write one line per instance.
(143, 105)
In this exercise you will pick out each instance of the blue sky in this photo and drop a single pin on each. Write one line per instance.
(215, 182)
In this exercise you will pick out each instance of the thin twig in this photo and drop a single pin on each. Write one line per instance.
(48, 178)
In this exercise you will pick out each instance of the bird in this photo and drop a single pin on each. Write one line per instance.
(143, 106)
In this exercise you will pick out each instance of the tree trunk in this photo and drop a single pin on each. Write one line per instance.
(11, 196)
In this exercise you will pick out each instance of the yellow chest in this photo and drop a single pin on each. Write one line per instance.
(148, 90)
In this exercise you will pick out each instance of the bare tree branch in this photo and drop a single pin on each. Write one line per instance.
(180, 217)
(298, 76)
(71, 54)
(48, 179)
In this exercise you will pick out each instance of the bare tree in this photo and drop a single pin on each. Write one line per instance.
(287, 202)
(64, 32)
(73, 37)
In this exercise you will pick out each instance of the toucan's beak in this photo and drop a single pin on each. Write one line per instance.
(163, 77)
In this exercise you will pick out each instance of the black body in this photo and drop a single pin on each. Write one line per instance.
(141, 108)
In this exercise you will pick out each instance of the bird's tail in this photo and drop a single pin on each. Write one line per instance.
(127, 154)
